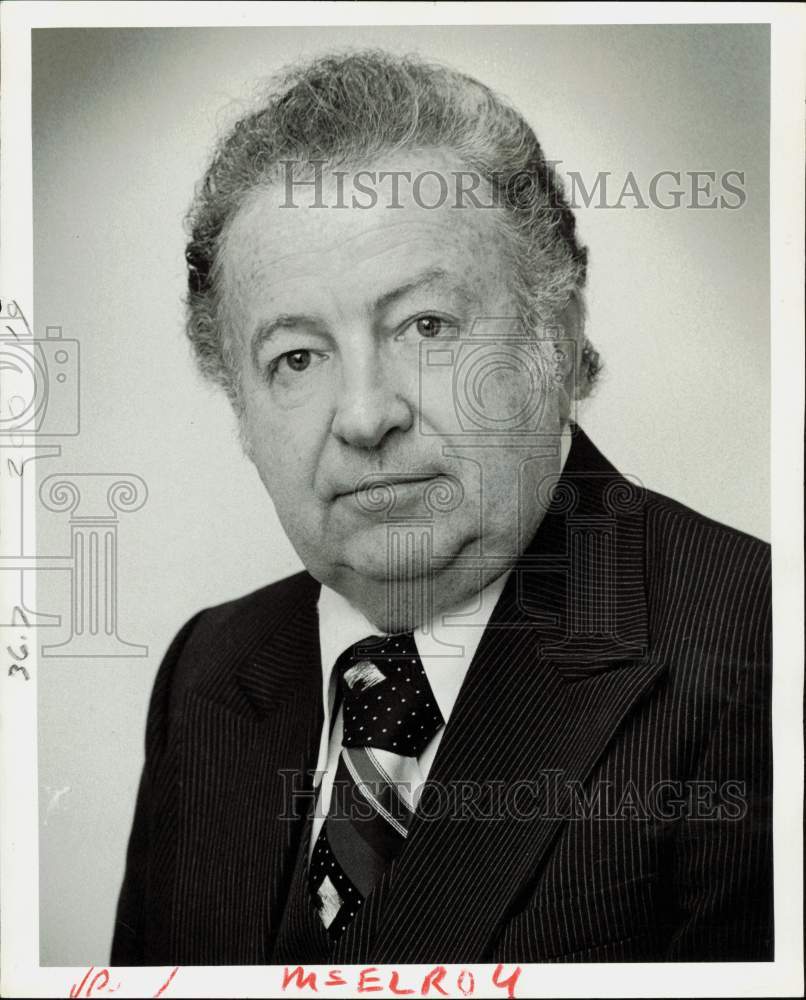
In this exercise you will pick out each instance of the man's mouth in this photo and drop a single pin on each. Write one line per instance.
(387, 483)
(379, 494)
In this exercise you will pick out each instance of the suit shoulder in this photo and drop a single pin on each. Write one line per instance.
(206, 652)
(233, 626)
(708, 585)
(272, 600)
(675, 530)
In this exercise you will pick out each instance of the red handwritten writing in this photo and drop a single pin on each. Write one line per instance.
(436, 982)
(98, 984)
(167, 983)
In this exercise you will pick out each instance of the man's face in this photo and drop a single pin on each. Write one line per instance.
(364, 338)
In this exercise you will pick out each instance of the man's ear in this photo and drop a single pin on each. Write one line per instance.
(570, 354)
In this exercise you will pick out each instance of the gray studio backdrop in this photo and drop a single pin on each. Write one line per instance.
(123, 121)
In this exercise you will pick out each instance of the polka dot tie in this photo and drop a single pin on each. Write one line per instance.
(390, 716)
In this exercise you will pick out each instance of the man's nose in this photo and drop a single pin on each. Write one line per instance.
(371, 403)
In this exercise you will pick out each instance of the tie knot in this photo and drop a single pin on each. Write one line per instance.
(387, 700)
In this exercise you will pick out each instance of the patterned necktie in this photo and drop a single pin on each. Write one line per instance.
(390, 716)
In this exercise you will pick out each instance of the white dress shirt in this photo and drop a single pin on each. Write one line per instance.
(446, 650)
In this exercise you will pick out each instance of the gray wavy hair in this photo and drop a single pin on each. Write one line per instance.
(349, 107)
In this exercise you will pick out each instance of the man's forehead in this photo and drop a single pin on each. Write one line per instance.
(282, 233)
(399, 176)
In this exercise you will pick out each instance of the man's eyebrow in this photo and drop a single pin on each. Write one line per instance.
(292, 321)
(422, 280)
(285, 321)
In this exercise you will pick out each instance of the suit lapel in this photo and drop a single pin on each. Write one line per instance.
(561, 664)
(251, 733)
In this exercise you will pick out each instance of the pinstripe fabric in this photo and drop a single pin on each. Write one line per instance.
(231, 711)
(630, 648)
(390, 716)
(301, 931)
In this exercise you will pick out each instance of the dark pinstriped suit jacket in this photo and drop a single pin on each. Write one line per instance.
(602, 791)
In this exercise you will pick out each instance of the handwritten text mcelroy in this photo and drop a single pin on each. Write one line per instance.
(436, 982)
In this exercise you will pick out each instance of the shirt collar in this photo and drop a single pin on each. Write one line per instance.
(447, 645)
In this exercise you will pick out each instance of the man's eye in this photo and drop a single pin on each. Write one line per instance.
(297, 361)
(430, 326)
(285, 368)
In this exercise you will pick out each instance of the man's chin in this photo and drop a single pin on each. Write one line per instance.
(396, 584)
(396, 554)
(393, 569)
(391, 605)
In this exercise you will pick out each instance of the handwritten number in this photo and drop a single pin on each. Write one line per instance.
(19, 613)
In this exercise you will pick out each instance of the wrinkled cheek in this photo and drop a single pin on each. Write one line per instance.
(287, 451)
(432, 410)
(259, 440)
(508, 393)
(496, 389)
(263, 442)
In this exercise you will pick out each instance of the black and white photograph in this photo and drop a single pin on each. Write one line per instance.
(402, 538)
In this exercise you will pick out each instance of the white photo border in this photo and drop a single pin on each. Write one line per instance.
(19, 889)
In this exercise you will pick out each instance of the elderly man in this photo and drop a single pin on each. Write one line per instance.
(516, 708)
